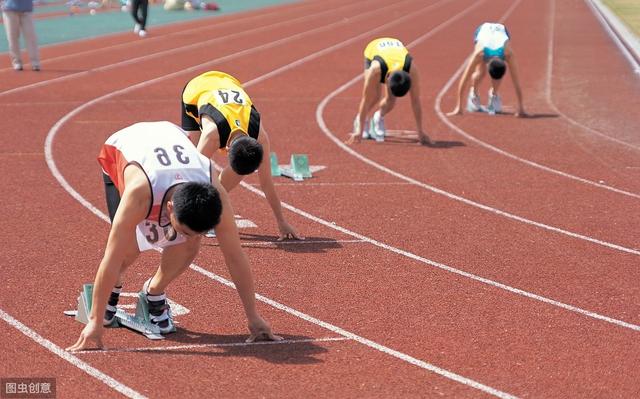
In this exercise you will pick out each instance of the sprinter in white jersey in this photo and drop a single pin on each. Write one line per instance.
(161, 192)
(492, 52)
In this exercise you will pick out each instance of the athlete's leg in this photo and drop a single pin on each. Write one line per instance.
(113, 201)
(175, 260)
(477, 77)
(495, 85)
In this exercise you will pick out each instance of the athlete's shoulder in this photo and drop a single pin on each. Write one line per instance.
(135, 180)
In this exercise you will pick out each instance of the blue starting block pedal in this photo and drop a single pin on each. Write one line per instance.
(275, 168)
(298, 170)
(140, 322)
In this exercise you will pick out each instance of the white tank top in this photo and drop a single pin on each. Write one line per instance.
(492, 37)
(168, 158)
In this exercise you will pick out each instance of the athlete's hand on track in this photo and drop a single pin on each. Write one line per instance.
(90, 337)
(288, 232)
(352, 137)
(261, 331)
(424, 139)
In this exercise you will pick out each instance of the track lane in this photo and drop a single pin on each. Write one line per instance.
(356, 172)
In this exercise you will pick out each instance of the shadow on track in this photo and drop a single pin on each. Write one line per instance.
(308, 245)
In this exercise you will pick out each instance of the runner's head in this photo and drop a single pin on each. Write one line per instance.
(496, 67)
(399, 83)
(245, 154)
(196, 206)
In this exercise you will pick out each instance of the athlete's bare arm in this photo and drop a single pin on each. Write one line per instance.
(122, 242)
(510, 59)
(238, 266)
(370, 97)
(209, 141)
(416, 104)
(474, 60)
(266, 183)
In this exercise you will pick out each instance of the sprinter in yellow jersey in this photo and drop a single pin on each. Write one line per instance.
(219, 116)
(388, 64)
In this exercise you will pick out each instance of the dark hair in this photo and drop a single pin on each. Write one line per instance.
(399, 83)
(245, 155)
(197, 206)
(497, 68)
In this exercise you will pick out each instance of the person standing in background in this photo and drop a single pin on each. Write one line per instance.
(139, 11)
(16, 16)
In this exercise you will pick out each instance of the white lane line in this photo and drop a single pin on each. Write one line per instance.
(490, 147)
(402, 356)
(323, 126)
(198, 44)
(58, 351)
(308, 183)
(549, 85)
(225, 345)
(279, 244)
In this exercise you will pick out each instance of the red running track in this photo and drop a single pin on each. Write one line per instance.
(503, 261)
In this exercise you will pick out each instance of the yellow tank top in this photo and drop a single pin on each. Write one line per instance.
(222, 97)
(391, 53)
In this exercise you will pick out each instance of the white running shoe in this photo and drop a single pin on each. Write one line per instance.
(377, 127)
(136, 28)
(473, 102)
(159, 309)
(142, 33)
(365, 130)
(495, 104)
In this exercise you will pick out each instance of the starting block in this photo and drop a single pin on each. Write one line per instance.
(275, 168)
(298, 170)
(140, 322)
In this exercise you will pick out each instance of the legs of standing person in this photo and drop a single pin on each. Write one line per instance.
(11, 21)
(135, 6)
(144, 10)
(30, 39)
(139, 11)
